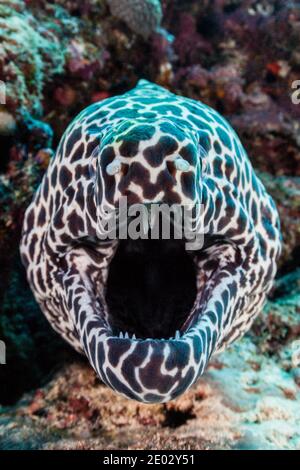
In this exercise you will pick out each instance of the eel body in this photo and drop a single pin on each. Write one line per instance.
(152, 147)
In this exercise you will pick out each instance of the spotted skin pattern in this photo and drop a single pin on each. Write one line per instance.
(67, 264)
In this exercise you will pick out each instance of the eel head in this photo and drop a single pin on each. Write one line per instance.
(149, 312)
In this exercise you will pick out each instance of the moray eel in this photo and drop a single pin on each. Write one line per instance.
(149, 314)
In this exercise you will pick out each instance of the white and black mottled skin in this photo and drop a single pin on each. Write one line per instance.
(146, 129)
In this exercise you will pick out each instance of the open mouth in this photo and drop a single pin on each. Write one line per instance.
(151, 288)
(151, 321)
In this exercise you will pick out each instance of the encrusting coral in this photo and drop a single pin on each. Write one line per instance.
(142, 16)
(30, 55)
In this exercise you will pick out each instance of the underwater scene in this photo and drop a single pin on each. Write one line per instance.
(113, 340)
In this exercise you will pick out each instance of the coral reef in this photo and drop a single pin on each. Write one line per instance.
(30, 55)
(286, 192)
(241, 57)
(142, 16)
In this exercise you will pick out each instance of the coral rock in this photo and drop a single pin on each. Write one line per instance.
(7, 124)
(141, 16)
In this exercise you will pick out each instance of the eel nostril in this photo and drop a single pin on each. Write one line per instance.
(181, 164)
(114, 167)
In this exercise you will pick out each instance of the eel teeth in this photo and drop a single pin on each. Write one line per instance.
(177, 336)
(127, 336)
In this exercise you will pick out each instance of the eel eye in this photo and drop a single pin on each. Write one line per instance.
(181, 164)
(114, 167)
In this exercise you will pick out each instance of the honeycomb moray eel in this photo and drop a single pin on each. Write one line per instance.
(116, 301)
